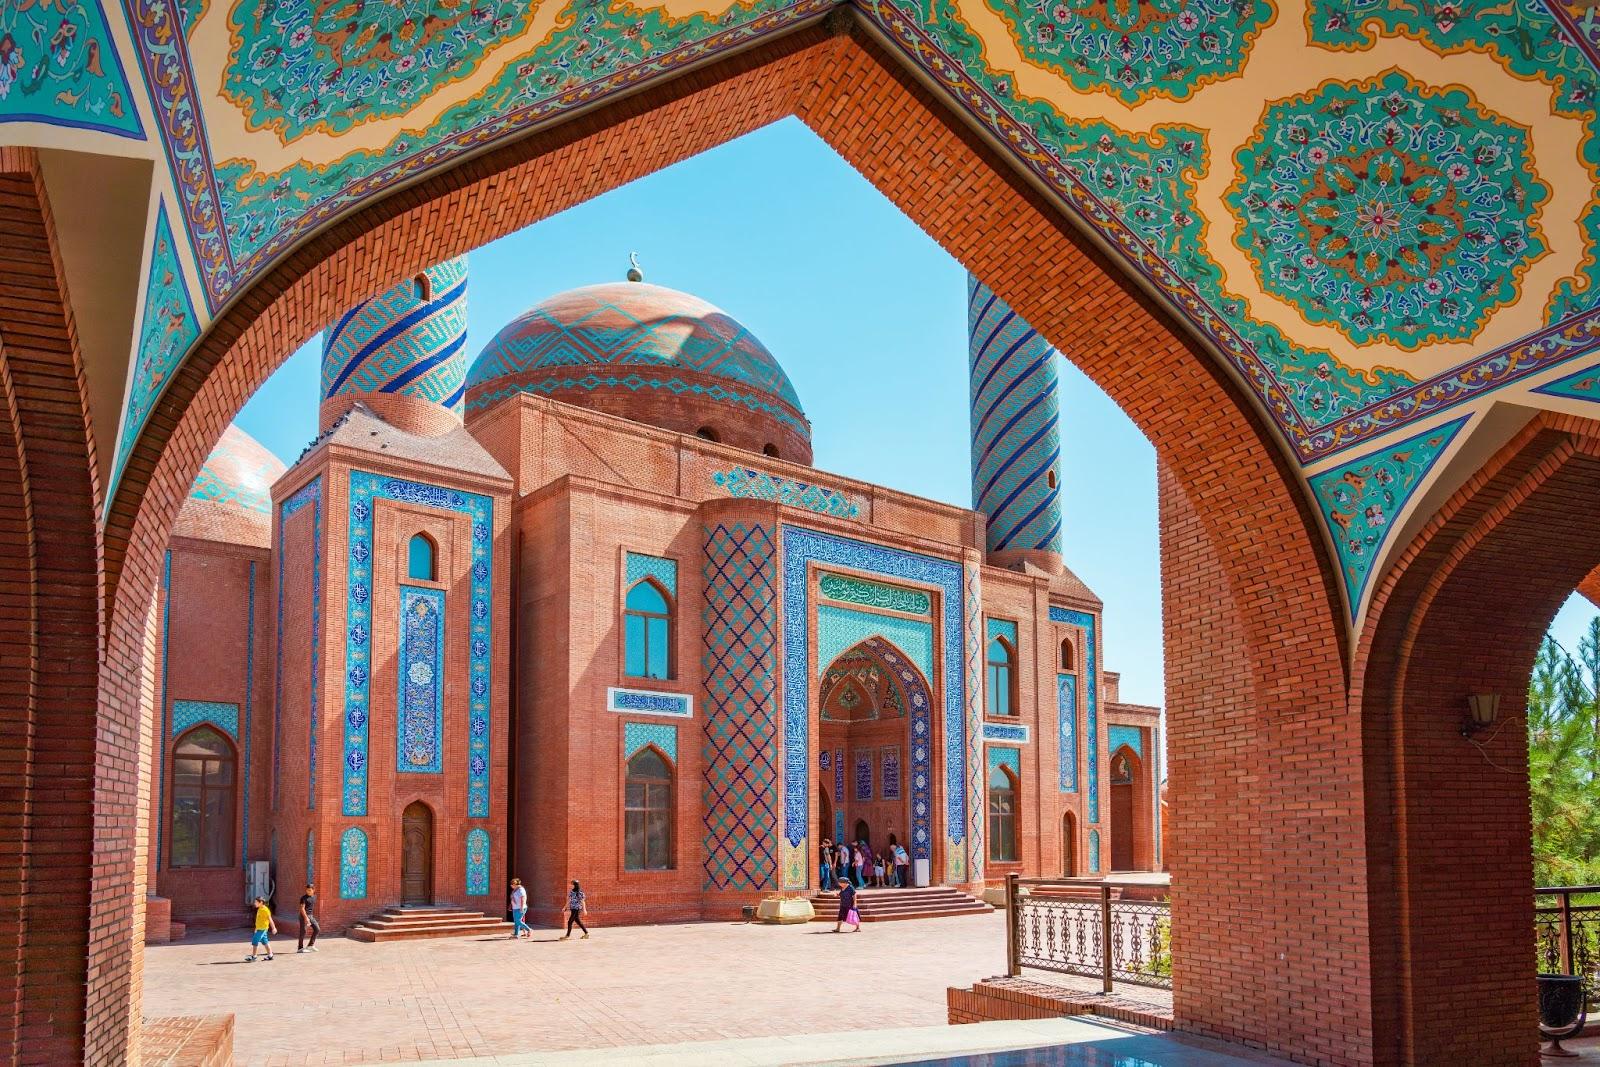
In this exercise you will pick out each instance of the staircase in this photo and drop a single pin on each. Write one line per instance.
(888, 905)
(416, 923)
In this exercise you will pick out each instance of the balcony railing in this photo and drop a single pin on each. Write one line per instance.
(1077, 926)
(1567, 933)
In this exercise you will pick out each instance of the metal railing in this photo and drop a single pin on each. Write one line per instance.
(1567, 935)
(1088, 934)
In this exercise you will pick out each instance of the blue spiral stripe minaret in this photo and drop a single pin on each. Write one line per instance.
(1016, 441)
(409, 341)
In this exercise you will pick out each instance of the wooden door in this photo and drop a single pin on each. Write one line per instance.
(1069, 846)
(1122, 826)
(416, 855)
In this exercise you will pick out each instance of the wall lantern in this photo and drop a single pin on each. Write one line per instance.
(1482, 711)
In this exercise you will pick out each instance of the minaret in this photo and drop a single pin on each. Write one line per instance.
(1016, 442)
(402, 353)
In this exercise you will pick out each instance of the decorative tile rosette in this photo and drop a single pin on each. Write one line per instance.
(1137, 49)
(1392, 211)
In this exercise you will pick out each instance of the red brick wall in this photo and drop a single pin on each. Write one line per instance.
(1463, 613)
(1260, 563)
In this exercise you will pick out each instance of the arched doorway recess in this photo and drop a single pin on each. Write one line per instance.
(416, 854)
(1462, 613)
(1248, 562)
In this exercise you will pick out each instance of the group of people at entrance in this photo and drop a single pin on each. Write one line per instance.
(856, 864)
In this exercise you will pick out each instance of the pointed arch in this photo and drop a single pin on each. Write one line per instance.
(649, 629)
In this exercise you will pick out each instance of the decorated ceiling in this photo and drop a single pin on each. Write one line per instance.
(1382, 213)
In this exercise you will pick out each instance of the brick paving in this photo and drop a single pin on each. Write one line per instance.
(357, 1003)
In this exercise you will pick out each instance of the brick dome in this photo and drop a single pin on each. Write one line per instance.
(650, 354)
(231, 500)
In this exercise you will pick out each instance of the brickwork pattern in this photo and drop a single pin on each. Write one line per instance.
(1249, 555)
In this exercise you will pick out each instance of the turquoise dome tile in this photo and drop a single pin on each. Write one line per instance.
(239, 473)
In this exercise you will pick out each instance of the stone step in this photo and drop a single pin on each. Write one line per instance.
(416, 923)
(889, 905)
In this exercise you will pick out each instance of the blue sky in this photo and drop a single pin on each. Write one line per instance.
(866, 314)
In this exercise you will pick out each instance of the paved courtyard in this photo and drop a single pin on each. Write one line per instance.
(353, 1002)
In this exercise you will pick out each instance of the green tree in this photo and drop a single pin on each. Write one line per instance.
(1564, 761)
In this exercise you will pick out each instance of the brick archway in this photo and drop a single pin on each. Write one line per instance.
(1449, 845)
(1248, 563)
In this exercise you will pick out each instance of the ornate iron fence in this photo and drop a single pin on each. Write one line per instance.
(1089, 932)
(1567, 934)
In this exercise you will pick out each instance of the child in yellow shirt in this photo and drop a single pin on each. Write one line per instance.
(264, 924)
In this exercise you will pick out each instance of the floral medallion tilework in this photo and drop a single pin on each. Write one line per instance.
(366, 490)
(1091, 675)
(863, 774)
(60, 66)
(1584, 385)
(419, 740)
(1067, 733)
(353, 865)
(477, 862)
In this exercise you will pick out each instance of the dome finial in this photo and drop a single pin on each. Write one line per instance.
(634, 273)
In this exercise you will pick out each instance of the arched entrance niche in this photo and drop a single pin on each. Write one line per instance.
(416, 854)
(1254, 635)
(1132, 848)
(874, 718)
(1069, 845)
(1449, 836)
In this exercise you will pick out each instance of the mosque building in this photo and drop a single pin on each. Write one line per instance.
(583, 609)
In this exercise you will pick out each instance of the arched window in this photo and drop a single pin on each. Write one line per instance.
(202, 800)
(419, 562)
(1066, 654)
(647, 632)
(424, 287)
(1051, 478)
(1002, 678)
(1002, 815)
(770, 449)
(709, 434)
(647, 813)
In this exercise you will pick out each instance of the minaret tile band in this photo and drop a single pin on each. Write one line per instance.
(1016, 441)
(409, 340)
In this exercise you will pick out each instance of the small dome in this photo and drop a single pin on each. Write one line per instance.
(402, 353)
(231, 500)
(651, 354)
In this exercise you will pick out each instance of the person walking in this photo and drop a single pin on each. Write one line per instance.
(576, 906)
(264, 924)
(825, 865)
(847, 909)
(519, 908)
(308, 920)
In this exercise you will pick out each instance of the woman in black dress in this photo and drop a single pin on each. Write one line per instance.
(847, 908)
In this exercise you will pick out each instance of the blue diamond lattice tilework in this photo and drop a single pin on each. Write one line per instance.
(1091, 725)
(800, 547)
(404, 342)
(649, 702)
(637, 565)
(744, 483)
(636, 735)
(1132, 736)
(1016, 435)
(478, 862)
(366, 490)
(187, 713)
(308, 495)
(741, 724)
(419, 739)
(353, 865)
(1067, 732)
